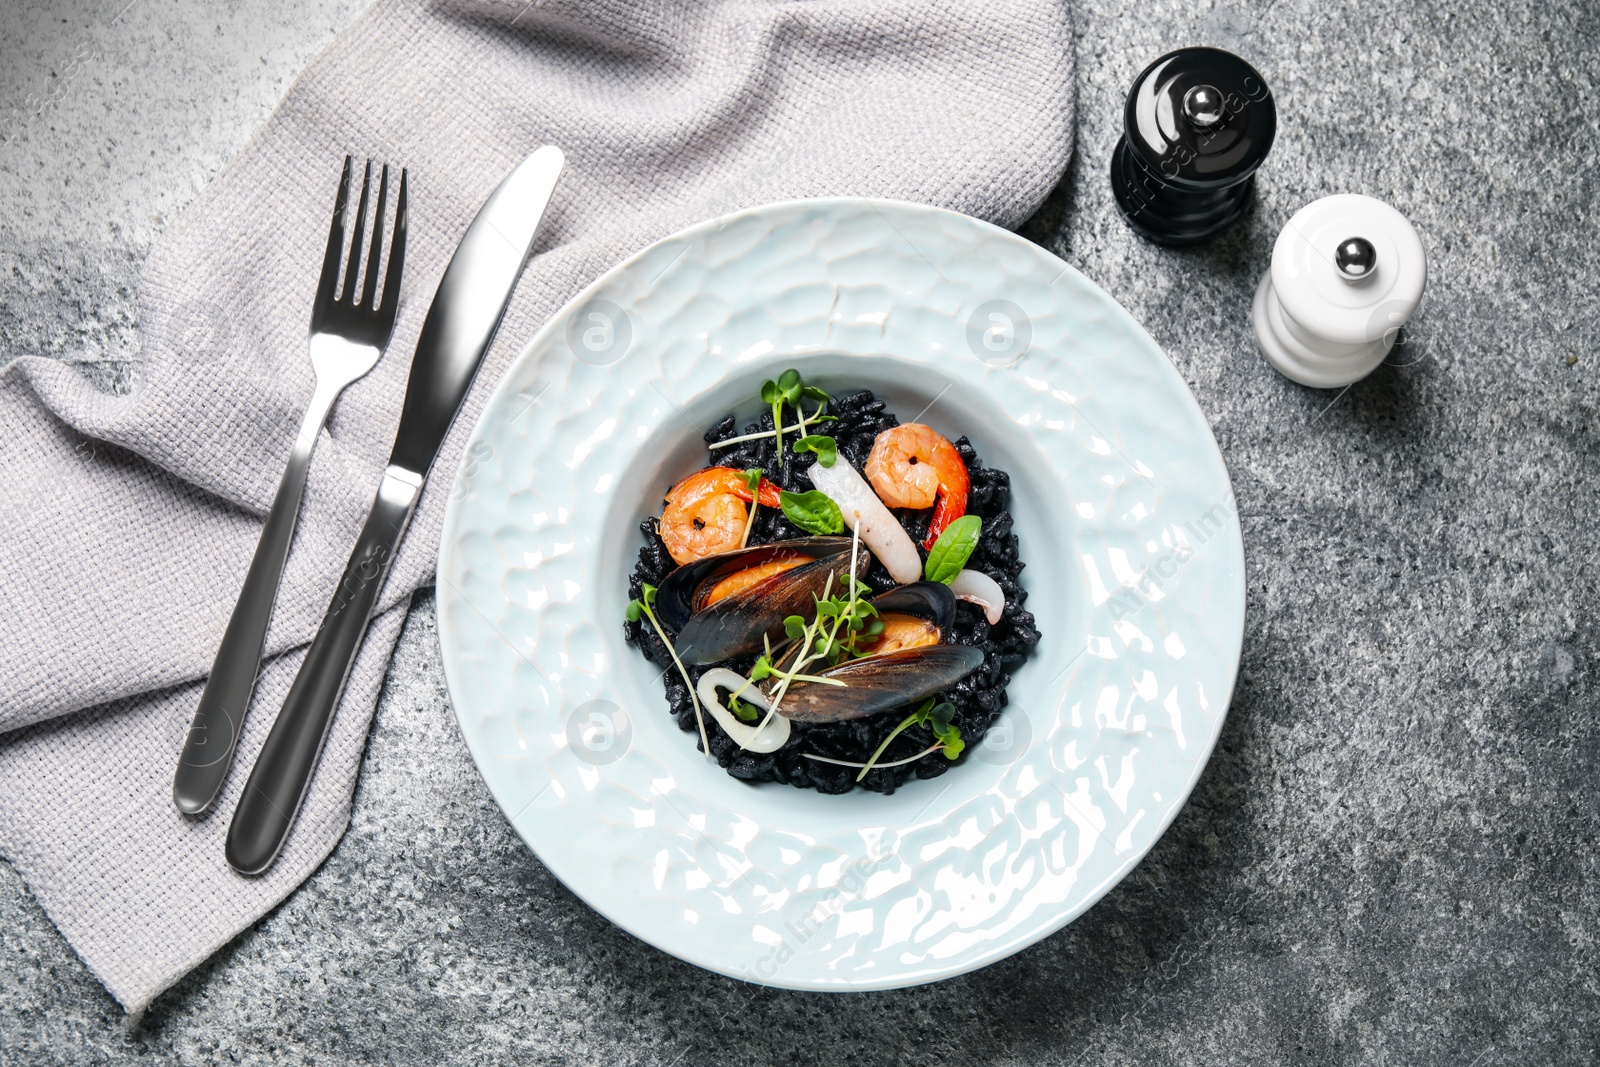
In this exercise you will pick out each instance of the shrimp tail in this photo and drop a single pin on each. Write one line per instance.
(949, 507)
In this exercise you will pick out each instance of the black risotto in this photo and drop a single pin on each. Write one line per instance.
(978, 698)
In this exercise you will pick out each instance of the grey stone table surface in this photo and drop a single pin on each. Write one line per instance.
(1392, 856)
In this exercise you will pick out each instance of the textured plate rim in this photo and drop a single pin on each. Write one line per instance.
(995, 950)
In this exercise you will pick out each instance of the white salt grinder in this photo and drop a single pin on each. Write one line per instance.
(1347, 272)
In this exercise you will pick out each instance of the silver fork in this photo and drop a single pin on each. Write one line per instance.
(347, 337)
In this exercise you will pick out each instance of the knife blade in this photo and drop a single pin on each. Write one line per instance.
(462, 320)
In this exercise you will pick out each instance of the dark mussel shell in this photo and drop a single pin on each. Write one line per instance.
(737, 623)
(879, 683)
(676, 599)
(927, 600)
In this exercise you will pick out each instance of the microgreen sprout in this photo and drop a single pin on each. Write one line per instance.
(937, 717)
(814, 419)
(790, 389)
(811, 392)
(786, 390)
(815, 638)
(746, 712)
(752, 478)
(825, 447)
(645, 606)
(855, 617)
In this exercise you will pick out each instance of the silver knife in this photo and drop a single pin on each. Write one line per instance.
(466, 311)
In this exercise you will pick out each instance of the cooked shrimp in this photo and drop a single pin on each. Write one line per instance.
(709, 525)
(914, 466)
(706, 513)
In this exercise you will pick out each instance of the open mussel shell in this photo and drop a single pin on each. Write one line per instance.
(879, 683)
(677, 598)
(928, 600)
(933, 601)
(737, 623)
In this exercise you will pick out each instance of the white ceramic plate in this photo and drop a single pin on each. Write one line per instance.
(1135, 574)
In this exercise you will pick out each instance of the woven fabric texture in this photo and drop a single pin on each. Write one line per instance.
(128, 520)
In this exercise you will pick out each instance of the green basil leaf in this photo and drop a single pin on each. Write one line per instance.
(770, 393)
(635, 609)
(954, 547)
(811, 392)
(813, 511)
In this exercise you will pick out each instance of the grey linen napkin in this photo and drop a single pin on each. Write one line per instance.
(128, 520)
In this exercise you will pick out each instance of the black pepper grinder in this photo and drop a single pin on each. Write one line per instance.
(1197, 124)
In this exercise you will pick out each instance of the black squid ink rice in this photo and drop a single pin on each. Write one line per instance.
(977, 700)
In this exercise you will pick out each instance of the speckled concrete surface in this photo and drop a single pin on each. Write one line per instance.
(1392, 857)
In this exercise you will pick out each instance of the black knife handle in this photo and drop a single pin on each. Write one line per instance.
(283, 770)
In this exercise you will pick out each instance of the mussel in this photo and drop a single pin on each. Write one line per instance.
(914, 666)
(933, 601)
(880, 683)
(723, 605)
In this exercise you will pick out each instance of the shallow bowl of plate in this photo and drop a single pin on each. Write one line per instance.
(1135, 574)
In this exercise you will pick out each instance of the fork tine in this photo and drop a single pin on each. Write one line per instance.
(354, 262)
(327, 284)
(369, 284)
(397, 258)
